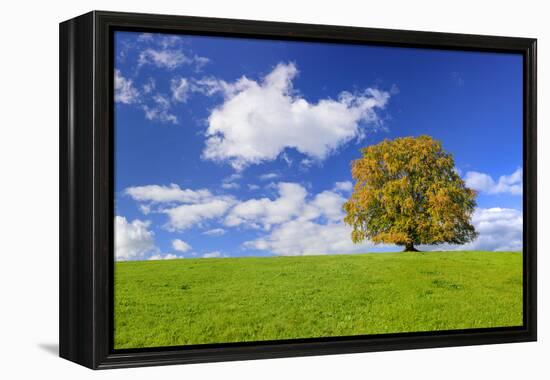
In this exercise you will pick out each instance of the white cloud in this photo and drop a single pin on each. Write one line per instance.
(500, 229)
(166, 194)
(167, 51)
(212, 254)
(187, 215)
(479, 181)
(155, 106)
(271, 110)
(184, 207)
(168, 256)
(180, 245)
(163, 58)
(297, 238)
(145, 209)
(230, 185)
(284, 156)
(264, 212)
(253, 187)
(316, 227)
(125, 92)
(209, 86)
(215, 232)
(291, 204)
(306, 162)
(343, 186)
(506, 184)
(133, 240)
(200, 62)
(159, 110)
(268, 176)
(180, 89)
(296, 223)
(233, 177)
(149, 86)
(326, 204)
(161, 51)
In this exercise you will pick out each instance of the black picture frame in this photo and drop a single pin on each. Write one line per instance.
(86, 189)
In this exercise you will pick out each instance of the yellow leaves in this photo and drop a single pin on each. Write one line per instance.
(407, 191)
(395, 237)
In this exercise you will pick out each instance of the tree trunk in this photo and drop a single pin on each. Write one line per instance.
(409, 247)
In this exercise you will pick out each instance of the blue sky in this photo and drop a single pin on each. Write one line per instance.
(236, 147)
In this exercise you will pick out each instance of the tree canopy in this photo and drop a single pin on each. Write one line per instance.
(408, 192)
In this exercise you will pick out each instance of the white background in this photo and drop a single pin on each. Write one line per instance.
(29, 187)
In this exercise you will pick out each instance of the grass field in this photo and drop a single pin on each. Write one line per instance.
(196, 301)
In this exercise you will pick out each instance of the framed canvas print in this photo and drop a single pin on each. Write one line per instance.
(237, 189)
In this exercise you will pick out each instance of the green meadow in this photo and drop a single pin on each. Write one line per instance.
(200, 301)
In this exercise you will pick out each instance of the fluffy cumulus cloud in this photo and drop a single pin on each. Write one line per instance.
(313, 225)
(506, 184)
(271, 110)
(133, 240)
(326, 205)
(309, 238)
(500, 229)
(180, 245)
(185, 216)
(320, 216)
(265, 212)
(294, 222)
(185, 208)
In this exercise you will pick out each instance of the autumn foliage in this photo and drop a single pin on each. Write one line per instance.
(407, 192)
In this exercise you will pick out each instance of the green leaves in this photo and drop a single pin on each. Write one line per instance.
(407, 191)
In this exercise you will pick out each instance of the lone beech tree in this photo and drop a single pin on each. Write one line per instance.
(407, 192)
